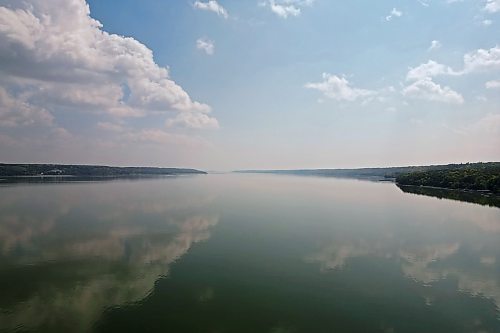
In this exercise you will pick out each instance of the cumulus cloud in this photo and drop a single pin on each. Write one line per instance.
(435, 44)
(426, 89)
(286, 8)
(482, 60)
(212, 6)
(420, 79)
(423, 86)
(193, 120)
(429, 69)
(492, 6)
(16, 112)
(55, 56)
(338, 88)
(394, 13)
(494, 84)
(206, 45)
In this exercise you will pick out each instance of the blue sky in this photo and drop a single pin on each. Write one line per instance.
(250, 84)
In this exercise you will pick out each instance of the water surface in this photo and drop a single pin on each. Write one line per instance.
(245, 253)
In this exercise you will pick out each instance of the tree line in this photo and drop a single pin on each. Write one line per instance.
(470, 176)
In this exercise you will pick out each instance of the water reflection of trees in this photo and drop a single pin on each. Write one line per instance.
(441, 193)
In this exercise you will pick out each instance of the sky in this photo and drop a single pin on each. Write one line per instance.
(250, 84)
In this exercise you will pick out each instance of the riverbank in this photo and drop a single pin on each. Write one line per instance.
(73, 170)
(477, 177)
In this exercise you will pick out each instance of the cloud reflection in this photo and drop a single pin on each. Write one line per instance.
(474, 266)
(102, 251)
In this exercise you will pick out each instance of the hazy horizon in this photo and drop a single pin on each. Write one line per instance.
(252, 169)
(255, 84)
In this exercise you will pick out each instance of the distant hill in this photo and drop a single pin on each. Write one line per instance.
(19, 170)
(347, 173)
(389, 172)
(468, 176)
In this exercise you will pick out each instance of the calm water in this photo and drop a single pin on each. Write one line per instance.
(245, 253)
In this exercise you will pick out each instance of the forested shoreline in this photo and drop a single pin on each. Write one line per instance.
(483, 177)
(29, 170)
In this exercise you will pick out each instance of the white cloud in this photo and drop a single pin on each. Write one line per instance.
(394, 13)
(426, 89)
(16, 112)
(487, 23)
(286, 8)
(212, 6)
(429, 69)
(206, 45)
(193, 120)
(495, 84)
(482, 60)
(56, 57)
(435, 44)
(338, 88)
(492, 6)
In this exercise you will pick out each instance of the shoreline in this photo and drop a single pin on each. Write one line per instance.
(463, 190)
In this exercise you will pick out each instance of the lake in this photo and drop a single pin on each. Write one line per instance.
(245, 253)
